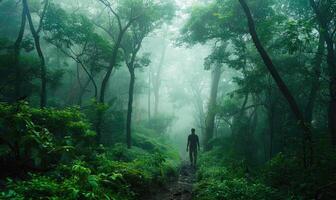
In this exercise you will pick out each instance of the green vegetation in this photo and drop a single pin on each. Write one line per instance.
(98, 97)
(226, 176)
(57, 158)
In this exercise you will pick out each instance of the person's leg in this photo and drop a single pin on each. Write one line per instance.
(190, 156)
(195, 157)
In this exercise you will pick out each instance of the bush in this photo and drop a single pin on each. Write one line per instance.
(36, 139)
(220, 178)
(233, 189)
(68, 165)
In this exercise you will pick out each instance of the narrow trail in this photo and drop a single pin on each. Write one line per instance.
(181, 189)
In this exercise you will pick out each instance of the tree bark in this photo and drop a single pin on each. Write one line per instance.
(198, 102)
(332, 69)
(157, 80)
(16, 56)
(91, 78)
(82, 92)
(149, 94)
(211, 114)
(271, 113)
(107, 76)
(130, 109)
(131, 68)
(315, 80)
(36, 36)
(280, 83)
(111, 67)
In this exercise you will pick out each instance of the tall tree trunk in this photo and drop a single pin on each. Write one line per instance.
(332, 69)
(315, 80)
(104, 83)
(130, 109)
(113, 60)
(149, 93)
(82, 92)
(280, 83)
(211, 114)
(236, 126)
(271, 113)
(332, 111)
(199, 106)
(271, 110)
(36, 36)
(157, 78)
(16, 56)
(91, 79)
(131, 68)
(110, 69)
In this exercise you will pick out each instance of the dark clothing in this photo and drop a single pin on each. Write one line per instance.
(193, 142)
(193, 146)
(193, 157)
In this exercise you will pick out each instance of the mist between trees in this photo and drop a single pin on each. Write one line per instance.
(98, 97)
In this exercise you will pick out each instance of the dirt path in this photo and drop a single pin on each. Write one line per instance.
(180, 189)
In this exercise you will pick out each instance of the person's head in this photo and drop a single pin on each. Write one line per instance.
(193, 131)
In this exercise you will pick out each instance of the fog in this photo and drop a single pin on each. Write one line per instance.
(167, 99)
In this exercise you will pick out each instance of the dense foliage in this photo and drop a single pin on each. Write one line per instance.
(98, 96)
(282, 177)
(54, 154)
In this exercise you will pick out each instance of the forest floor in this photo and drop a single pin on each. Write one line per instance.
(181, 188)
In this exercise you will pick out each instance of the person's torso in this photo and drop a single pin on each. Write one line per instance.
(193, 141)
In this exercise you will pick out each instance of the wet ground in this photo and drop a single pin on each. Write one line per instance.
(181, 189)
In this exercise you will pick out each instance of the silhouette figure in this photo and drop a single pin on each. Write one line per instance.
(193, 146)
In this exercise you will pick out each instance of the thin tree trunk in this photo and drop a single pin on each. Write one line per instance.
(280, 83)
(82, 92)
(332, 70)
(316, 80)
(271, 107)
(201, 114)
(91, 78)
(16, 57)
(210, 118)
(157, 78)
(131, 68)
(105, 82)
(149, 93)
(111, 64)
(130, 109)
(43, 71)
(271, 113)
(240, 114)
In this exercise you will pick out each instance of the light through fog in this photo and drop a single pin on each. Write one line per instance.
(182, 69)
(100, 99)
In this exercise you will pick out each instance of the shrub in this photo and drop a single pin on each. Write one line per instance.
(233, 189)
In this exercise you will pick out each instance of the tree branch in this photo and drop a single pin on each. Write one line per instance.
(46, 3)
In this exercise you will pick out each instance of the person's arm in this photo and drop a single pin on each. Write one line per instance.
(188, 143)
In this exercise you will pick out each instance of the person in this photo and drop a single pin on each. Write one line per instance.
(192, 147)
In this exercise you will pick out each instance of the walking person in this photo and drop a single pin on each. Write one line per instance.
(192, 147)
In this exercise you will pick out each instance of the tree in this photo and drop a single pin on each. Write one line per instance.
(280, 83)
(125, 14)
(206, 25)
(211, 113)
(36, 36)
(132, 63)
(325, 15)
(79, 42)
(16, 55)
(156, 76)
(131, 45)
